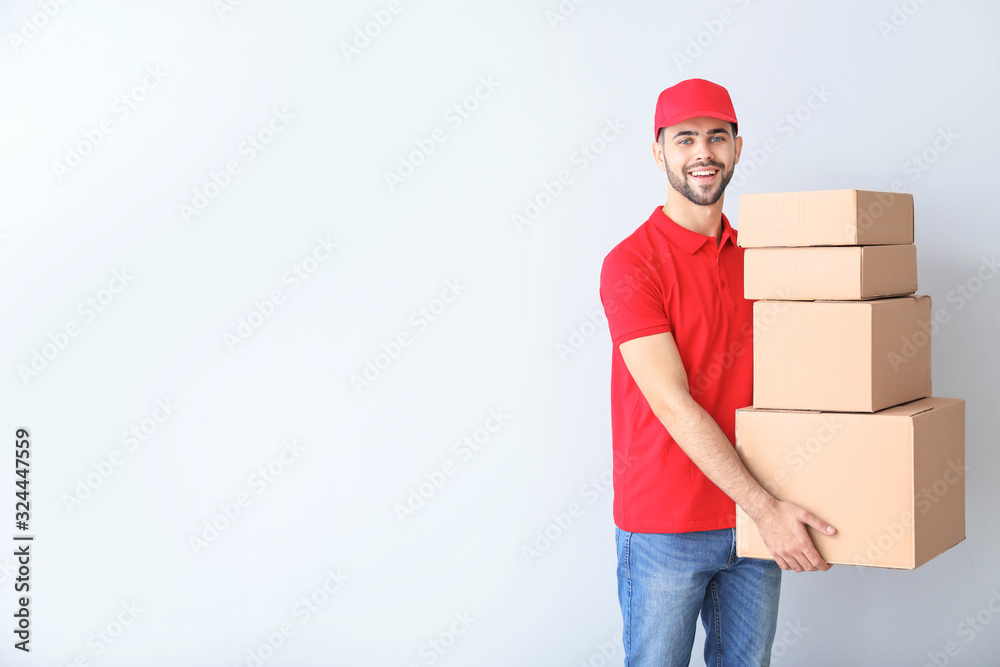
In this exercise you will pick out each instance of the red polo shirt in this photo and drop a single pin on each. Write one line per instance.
(667, 278)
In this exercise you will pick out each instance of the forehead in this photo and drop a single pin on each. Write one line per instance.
(699, 125)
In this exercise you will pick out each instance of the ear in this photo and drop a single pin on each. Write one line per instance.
(738, 143)
(658, 156)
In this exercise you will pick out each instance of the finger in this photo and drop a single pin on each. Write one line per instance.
(804, 564)
(819, 524)
(782, 563)
(806, 557)
(816, 562)
(793, 562)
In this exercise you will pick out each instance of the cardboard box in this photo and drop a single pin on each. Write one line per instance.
(892, 482)
(826, 217)
(845, 356)
(845, 272)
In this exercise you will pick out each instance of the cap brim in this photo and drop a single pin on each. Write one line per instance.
(688, 115)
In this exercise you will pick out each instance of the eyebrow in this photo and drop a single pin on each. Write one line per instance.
(692, 133)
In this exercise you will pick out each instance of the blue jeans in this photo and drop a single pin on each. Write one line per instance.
(666, 579)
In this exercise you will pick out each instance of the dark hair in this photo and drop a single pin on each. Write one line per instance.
(659, 135)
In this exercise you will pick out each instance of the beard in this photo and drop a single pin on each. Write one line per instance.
(699, 194)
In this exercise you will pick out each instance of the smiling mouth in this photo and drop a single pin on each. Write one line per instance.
(703, 175)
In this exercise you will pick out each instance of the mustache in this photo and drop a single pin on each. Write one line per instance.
(702, 165)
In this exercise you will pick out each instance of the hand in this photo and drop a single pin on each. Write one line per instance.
(783, 528)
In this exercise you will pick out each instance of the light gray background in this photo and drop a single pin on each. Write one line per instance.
(885, 97)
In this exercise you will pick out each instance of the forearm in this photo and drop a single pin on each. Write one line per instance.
(656, 367)
(707, 446)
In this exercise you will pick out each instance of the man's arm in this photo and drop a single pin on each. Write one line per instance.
(656, 366)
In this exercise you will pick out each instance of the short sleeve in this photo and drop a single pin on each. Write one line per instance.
(633, 296)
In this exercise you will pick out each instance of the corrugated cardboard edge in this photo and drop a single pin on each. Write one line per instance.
(743, 522)
(743, 526)
(936, 533)
(889, 358)
(880, 268)
(876, 218)
(855, 236)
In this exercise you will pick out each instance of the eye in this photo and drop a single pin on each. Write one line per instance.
(719, 137)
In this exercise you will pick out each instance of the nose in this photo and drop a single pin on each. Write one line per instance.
(704, 149)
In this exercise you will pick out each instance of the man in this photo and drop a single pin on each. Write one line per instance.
(682, 364)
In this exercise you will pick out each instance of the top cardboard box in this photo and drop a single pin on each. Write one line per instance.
(825, 218)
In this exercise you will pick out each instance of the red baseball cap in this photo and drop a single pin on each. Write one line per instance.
(690, 99)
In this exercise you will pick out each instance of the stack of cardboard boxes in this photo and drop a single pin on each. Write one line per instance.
(843, 422)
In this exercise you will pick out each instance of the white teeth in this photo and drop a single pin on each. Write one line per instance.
(702, 173)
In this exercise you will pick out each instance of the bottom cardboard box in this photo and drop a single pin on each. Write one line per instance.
(892, 481)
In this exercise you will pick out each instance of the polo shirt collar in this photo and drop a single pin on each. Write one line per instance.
(687, 240)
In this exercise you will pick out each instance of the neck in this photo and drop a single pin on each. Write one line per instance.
(705, 220)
